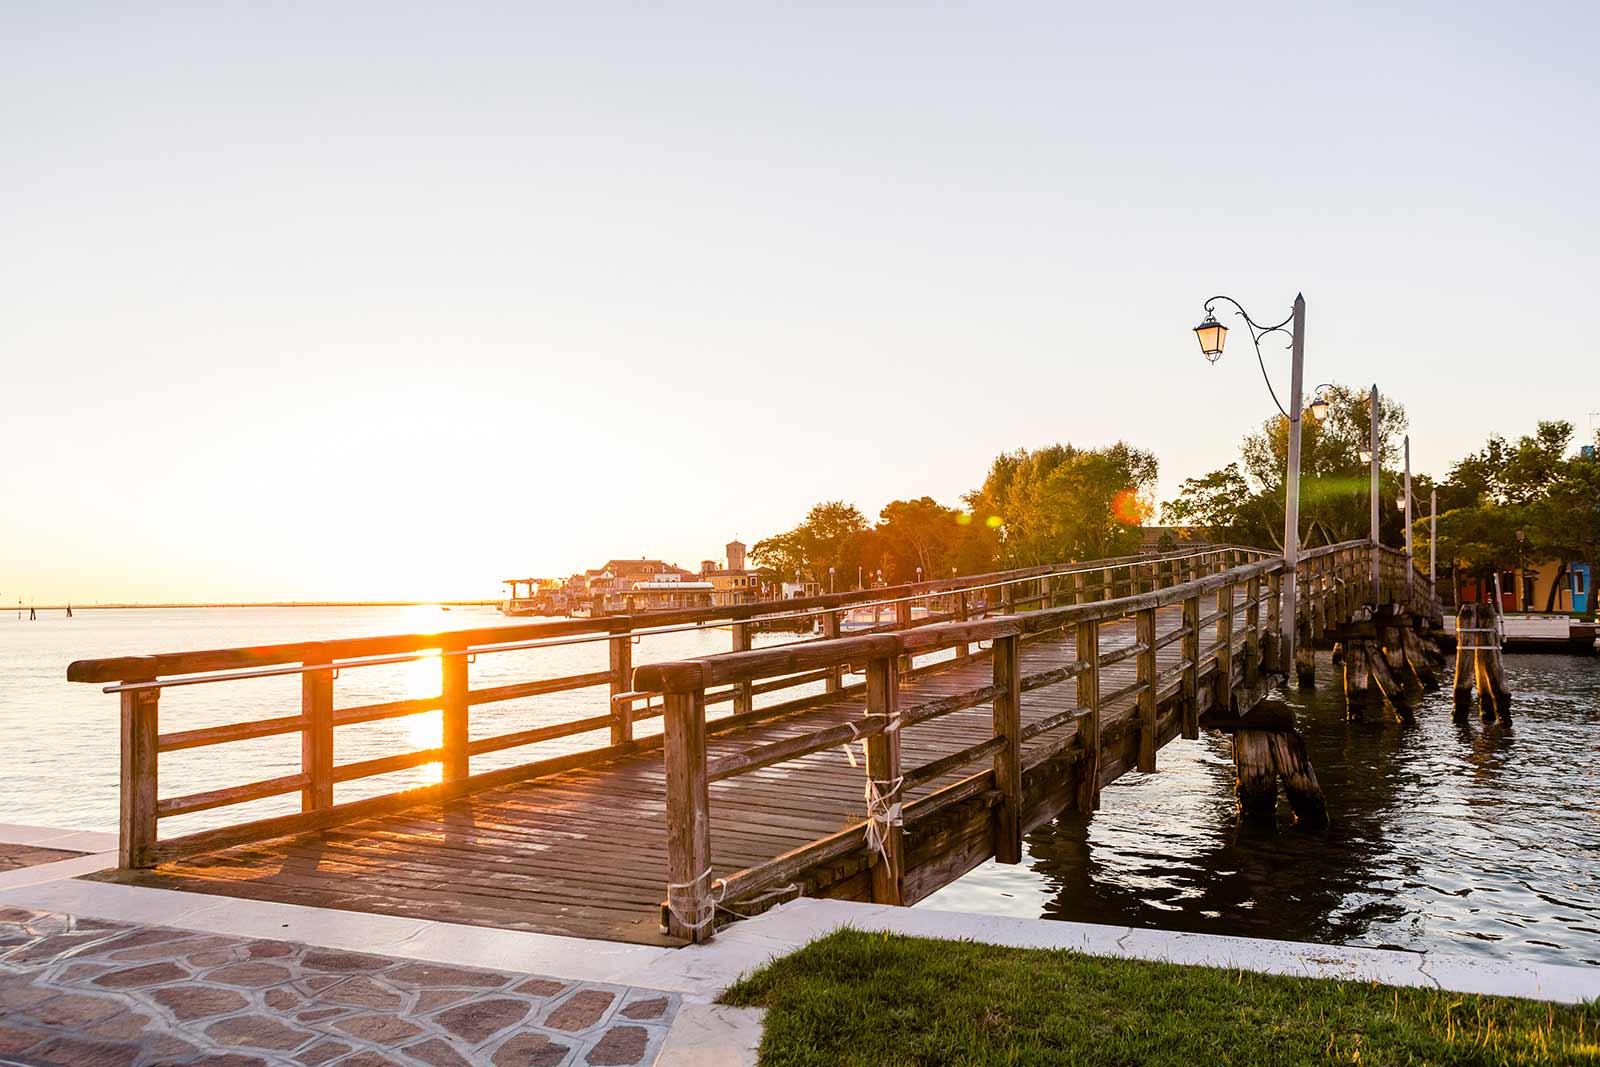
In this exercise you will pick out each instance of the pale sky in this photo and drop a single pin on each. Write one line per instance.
(342, 301)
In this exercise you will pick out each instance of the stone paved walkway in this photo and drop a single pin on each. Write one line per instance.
(14, 857)
(81, 992)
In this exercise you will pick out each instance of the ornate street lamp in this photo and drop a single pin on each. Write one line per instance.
(1319, 402)
(1211, 335)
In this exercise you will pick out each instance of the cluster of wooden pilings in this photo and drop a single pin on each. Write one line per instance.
(1478, 661)
(1386, 658)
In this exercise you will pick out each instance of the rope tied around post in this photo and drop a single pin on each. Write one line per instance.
(881, 814)
(719, 889)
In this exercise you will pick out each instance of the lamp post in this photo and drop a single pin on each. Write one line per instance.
(1372, 458)
(1411, 556)
(1433, 544)
(1211, 334)
(830, 581)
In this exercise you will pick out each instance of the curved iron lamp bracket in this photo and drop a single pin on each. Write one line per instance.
(1257, 332)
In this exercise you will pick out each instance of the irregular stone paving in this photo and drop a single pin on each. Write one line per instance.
(87, 993)
(15, 857)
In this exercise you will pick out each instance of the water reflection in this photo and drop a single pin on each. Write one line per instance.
(1471, 838)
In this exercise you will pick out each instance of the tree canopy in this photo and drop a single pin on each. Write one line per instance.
(1245, 500)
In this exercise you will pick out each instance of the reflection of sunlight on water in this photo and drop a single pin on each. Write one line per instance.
(421, 678)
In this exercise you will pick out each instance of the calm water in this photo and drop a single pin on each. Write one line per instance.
(1470, 839)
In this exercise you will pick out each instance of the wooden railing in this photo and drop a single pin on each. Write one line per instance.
(1334, 581)
(141, 680)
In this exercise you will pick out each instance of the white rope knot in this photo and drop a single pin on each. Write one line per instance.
(713, 899)
(882, 814)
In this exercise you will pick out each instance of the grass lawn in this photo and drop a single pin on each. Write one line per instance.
(881, 999)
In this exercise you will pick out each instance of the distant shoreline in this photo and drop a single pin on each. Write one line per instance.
(262, 604)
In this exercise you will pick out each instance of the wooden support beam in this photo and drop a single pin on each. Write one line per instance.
(1356, 673)
(743, 697)
(830, 630)
(453, 701)
(316, 738)
(1293, 764)
(1255, 777)
(1252, 629)
(137, 824)
(1466, 638)
(885, 782)
(1145, 630)
(1087, 649)
(690, 909)
(1191, 669)
(1224, 652)
(1008, 759)
(621, 668)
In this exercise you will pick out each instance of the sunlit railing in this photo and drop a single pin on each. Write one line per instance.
(1151, 707)
(139, 682)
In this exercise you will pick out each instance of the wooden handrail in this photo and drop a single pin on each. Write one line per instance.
(165, 664)
(682, 676)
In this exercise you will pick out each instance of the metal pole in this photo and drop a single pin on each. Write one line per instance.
(1291, 510)
(1433, 543)
(1377, 581)
(1411, 563)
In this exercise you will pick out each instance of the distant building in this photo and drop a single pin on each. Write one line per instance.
(732, 584)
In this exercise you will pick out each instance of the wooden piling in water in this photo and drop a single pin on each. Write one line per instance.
(1305, 660)
(1255, 777)
(1356, 673)
(1466, 638)
(1417, 659)
(1386, 682)
(1300, 784)
(1494, 696)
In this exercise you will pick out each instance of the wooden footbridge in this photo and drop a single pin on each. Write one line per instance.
(776, 772)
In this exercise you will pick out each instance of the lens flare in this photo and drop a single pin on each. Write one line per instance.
(1130, 508)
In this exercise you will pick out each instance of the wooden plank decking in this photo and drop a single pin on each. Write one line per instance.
(584, 852)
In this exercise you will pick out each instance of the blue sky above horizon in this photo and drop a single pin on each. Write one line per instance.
(319, 301)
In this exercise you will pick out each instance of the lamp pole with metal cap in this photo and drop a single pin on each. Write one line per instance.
(1373, 459)
(1211, 334)
(1411, 566)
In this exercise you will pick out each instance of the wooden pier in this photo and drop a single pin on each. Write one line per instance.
(1020, 696)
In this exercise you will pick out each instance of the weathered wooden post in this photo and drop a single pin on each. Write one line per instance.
(140, 730)
(316, 734)
(1466, 644)
(1272, 659)
(1255, 780)
(1493, 694)
(1145, 662)
(454, 723)
(743, 692)
(884, 781)
(620, 648)
(1417, 658)
(1252, 630)
(1223, 682)
(830, 629)
(1080, 589)
(1087, 648)
(690, 906)
(1191, 668)
(1392, 688)
(1356, 673)
(1008, 758)
(1300, 783)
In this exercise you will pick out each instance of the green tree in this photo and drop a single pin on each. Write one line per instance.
(1245, 500)
(833, 534)
(1061, 502)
